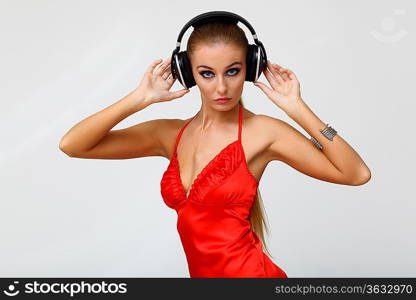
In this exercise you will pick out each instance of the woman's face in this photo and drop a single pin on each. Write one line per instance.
(219, 71)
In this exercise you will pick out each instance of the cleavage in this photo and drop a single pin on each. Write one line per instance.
(203, 160)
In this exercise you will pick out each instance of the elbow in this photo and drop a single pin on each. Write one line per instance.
(362, 179)
(64, 148)
(66, 152)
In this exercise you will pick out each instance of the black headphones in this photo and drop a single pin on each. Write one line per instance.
(256, 59)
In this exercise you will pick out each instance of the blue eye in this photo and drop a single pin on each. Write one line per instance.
(233, 74)
(236, 71)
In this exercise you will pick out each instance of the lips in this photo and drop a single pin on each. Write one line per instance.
(222, 99)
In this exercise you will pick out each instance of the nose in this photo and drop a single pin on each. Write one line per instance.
(221, 86)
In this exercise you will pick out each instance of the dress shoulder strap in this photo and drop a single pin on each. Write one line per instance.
(180, 134)
(240, 121)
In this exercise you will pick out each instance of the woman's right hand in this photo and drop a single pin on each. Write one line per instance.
(154, 86)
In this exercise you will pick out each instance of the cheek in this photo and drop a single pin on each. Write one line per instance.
(240, 78)
(238, 82)
(203, 86)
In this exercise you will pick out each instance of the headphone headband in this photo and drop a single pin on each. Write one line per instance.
(223, 16)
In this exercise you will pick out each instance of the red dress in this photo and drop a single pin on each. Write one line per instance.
(213, 220)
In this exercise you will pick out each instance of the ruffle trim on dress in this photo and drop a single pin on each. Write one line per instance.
(216, 172)
(171, 186)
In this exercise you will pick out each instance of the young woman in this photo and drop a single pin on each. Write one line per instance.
(218, 156)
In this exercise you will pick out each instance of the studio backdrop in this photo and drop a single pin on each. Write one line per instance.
(62, 61)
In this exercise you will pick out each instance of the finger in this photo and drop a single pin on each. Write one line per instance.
(170, 80)
(291, 74)
(179, 93)
(153, 65)
(264, 88)
(278, 75)
(275, 73)
(166, 65)
(270, 77)
(278, 67)
(167, 72)
(279, 70)
(283, 72)
(161, 68)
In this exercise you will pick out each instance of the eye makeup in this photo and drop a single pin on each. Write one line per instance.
(236, 71)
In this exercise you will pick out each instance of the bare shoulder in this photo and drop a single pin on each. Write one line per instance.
(267, 127)
(274, 127)
(267, 133)
(169, 131)
(258, 119)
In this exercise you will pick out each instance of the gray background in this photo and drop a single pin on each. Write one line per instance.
(62, 61)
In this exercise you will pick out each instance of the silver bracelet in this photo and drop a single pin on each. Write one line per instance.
(328, 132)
(316, 143)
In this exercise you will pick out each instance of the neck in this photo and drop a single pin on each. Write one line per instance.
(208, 118)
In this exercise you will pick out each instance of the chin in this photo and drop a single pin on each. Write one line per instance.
(225, 106)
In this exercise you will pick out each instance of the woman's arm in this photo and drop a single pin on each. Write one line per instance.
(90, 131)
(337, 151)
(92, 138)
(336, 162)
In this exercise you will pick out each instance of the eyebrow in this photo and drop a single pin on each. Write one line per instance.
(236, 62)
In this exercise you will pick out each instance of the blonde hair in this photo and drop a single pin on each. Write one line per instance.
(220, 32)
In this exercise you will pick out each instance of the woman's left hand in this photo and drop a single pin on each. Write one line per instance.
(285, 91)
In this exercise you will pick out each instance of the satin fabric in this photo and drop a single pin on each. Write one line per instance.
(213, 220)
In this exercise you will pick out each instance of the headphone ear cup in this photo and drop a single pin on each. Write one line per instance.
(251, 62)
(263, 59)
(184, 68)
